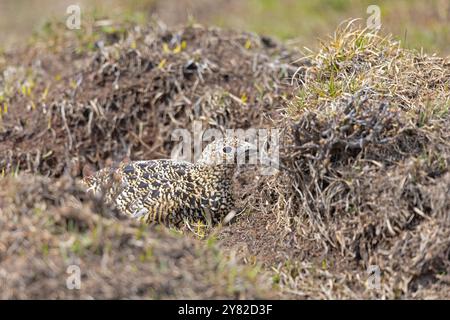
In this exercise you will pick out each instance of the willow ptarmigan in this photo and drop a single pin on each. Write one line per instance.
(169, 191)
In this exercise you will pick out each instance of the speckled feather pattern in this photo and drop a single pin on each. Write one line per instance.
(169, 191)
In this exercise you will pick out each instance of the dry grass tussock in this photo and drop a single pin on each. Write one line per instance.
(126, 97)
(48, 225)
(368, 155)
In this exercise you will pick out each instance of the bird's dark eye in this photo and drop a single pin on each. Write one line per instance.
(227, 149)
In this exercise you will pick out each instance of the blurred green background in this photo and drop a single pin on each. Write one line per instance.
(418, 23)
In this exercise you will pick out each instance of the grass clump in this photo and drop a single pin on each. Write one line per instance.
(48, 225)
(357, 61)
(367, 154)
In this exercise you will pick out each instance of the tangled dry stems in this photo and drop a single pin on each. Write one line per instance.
(369, 153)
(365, 153)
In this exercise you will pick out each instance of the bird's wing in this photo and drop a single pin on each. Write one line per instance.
(152, 188)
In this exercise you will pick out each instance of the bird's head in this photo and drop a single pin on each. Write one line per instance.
(229, 151)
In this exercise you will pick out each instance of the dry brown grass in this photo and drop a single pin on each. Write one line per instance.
(128, 97)
(365, 160)
(122, 98)
(368, 157)
(50, 224)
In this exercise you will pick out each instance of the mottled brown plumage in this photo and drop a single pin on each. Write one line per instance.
(169, 191)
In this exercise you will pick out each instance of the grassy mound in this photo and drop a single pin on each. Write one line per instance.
(127, 98)
(368, 154)
(49, 225)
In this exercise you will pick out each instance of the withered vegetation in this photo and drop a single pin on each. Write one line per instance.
(126, 99)
(50, 227)
(367, 152)
(364, 177)
(63, 108)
